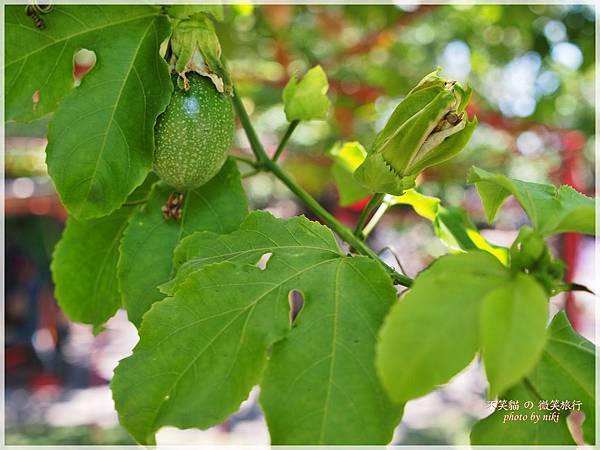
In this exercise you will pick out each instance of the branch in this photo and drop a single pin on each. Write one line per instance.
(313, 204)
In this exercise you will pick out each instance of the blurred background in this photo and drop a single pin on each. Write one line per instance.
(532, 69)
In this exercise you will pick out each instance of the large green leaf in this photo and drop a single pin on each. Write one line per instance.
(202, 350)
(565, 371)
(149, 241)
(551, 210)
(513, 331)
(100, 140)
(84, 264)
(433, 332)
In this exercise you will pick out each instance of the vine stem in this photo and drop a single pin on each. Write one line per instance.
(366, 212)
(343, 232)
(285, 138)
(383, 207)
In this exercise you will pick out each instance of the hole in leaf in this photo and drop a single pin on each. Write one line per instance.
(84, 61)
(35, 99)
(296, 301)
(264, 259)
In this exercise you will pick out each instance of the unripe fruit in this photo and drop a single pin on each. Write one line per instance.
(193, 135)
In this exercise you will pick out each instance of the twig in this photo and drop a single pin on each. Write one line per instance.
(313, 204)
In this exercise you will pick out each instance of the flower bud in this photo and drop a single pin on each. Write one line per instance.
(428, 127)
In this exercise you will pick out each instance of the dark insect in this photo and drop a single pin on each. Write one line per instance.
(34, 10)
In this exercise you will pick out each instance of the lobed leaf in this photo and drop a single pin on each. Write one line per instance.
(146, 251)
(202, 350)
(550, 210)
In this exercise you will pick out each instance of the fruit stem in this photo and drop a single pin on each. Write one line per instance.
(343, 232)
(365, 213)
(285, 138)
(255, 144)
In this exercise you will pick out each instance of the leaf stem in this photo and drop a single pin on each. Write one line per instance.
(285, 138)
(377, 216)
(366, 212)
(244, 160)
(272, 166)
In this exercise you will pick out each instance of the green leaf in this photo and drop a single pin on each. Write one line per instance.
(566, 371)
(434, 330)
(451, 225)
(513, 331)
(493, 430)
(42, 60)
(347, 158)
(202, 350)
(149, 241)
(84, 264)
(307, 99)
(100, 140)
(550, 210)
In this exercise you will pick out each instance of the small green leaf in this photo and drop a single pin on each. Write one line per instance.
(566, 371)
(149, 240)
(347, 158)
(307, 99)
(513, 331)
(434, 330)
(84, 265)
(202, 350)
(550, 210)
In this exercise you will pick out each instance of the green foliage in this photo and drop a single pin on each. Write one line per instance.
(347, 157)
(84, 264)
(255, 300)
(551, 210)
(433, 330)
(451, 224)
(97, 160)
(149, 241)
(565, 371)
(307, 99)
(513, 331)
(212, 333)
(530, 253)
